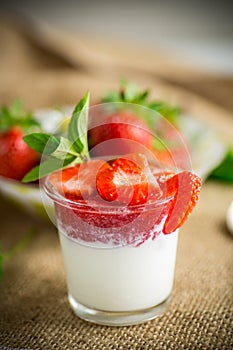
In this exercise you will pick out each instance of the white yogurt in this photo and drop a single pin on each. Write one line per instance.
(124, 278)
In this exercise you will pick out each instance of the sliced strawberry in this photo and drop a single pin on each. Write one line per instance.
(185, 187)
(167, 183)
(77, 182)
(128, 180)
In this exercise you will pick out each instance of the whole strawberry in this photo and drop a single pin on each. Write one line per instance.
(16, 157)
(123, 131)
(139, 131)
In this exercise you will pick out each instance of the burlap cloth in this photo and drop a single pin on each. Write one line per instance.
(48, 68)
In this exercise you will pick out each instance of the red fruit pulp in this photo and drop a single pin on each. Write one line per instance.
(125, 181)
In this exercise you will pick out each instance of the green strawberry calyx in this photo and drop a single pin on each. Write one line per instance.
(130, 93)
(15, 115)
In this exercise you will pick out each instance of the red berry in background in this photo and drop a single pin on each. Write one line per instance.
(16, 157)
(122, 128)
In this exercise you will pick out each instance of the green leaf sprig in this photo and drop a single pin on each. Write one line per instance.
(14, 115)
(224, 171)
(58, 150)
(130, 93)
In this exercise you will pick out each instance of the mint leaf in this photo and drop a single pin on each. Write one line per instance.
(77, 131)
(46, 167)
(61, 151)
(65, 150)
(58, 147)
(42, 143)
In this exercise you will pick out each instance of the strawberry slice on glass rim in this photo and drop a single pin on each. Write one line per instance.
(185, 189)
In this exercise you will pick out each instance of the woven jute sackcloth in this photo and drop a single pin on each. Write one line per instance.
(47, 68)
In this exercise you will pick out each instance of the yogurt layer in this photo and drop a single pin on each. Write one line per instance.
(127, 278)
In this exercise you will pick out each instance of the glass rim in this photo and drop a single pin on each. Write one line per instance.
(51, 191)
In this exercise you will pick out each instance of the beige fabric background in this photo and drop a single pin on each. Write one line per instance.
(46, 68)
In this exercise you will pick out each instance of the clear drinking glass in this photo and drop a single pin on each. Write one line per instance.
(119, 265)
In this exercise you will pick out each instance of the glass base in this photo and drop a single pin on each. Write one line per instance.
(112, 318)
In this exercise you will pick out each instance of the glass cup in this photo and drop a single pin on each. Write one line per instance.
(119, 265)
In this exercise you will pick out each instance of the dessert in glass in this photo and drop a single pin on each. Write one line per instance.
(119, 265)
(118, 217)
